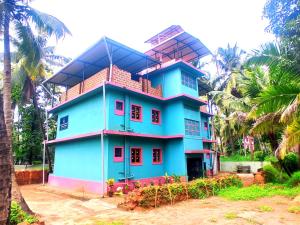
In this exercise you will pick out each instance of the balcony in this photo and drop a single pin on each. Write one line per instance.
(119, 77)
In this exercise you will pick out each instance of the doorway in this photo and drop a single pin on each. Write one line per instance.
(194, 168)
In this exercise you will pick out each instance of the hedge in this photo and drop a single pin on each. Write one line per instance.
(154, 196)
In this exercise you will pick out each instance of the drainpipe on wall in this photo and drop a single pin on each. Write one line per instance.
(102, 139)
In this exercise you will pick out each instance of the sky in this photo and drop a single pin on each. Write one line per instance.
(131, 22)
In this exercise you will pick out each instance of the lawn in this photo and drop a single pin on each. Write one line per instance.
(255, 192)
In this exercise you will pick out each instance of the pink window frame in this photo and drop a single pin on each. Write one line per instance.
(119, 112)
(159, 122)
(161, 159)
(119, 159)
(141, 157)
(141, 116)
(205, 125)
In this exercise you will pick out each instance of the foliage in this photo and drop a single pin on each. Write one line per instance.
(294, 179)
(236, 158)
(290, 161)
(265, 208)
(176, 178)
(255, 192)
(27, 137)
(230, 215)
(294, 209)
(259, 155)
(17, 215)
(272, 175)
(110, 182)
(153, 196)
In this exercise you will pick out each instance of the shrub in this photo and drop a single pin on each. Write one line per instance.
(271, 174)
(259, 155)
(294, 180)
(17, 215)
(153, 196)
(290, 161)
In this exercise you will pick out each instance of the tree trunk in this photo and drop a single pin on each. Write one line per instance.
(7, 108)
(5, 170)
(42, 128)
(273, 141)
(231, 144)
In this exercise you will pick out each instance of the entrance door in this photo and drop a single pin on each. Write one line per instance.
(194, 168)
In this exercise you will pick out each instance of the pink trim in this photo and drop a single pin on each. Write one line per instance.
(160, 162)
(119, 159)
(207, 113)
(159, 116)
(113, 132)
(207, 155)
(209, 141)
(119, 112)
(198, 151)
(75, 184)
(80, 136)
(141, 157)
(141, 114)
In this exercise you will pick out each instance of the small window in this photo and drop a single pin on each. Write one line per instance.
(192, 127)
(136, 156)
(155, 116)
(205, 126)
(156, 156)
(63, 123)
(188, 81)
(119, 107)
(136, 112)
(118, 154)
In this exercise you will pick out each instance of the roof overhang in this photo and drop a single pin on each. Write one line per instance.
(105, 52)
(180, 46)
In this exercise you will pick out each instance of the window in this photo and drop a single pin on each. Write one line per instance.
(118, 154)
(188, 81)
(191, 127)
(205, 126)
(156, 156)
(119, 107)
(63, 123)
(155, 116)
(136, 112)
(136, 156)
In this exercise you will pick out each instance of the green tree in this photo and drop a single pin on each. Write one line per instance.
(15, 15)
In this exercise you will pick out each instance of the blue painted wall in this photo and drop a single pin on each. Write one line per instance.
(173, 118)
(79, 159)
(84, 117)
(175, 157)
(146, 170)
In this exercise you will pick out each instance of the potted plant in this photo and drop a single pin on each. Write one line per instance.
(110, 187)
(126, 189)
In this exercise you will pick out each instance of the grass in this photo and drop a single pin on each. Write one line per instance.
(230, 215)
(265, 208)
(294, 209)
(236, 158)
(255, 192)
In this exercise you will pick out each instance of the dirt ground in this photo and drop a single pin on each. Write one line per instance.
(56, 206)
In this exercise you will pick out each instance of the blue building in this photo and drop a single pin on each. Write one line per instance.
(133, 116)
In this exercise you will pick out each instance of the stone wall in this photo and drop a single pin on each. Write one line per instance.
(232, 166)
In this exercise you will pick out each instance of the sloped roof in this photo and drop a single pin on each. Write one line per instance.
(97, 58)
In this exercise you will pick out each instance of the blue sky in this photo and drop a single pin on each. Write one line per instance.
(214, 22)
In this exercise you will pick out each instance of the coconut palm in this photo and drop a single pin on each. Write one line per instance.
(14, 15)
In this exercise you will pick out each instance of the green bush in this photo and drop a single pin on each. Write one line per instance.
(259, 155)
(294, 180)
(17, 215)
(37, 162)
(290, 162)
(271, 174)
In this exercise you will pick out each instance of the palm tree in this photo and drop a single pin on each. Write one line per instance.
(14, 12)
(5, 165)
